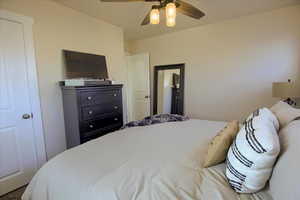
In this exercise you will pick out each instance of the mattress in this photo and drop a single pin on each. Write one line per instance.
(158, 162)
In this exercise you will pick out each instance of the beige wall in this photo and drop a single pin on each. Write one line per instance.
(127, 47)
(230, 66)
(56, 28)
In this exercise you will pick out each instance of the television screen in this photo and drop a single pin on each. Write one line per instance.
(84, 65)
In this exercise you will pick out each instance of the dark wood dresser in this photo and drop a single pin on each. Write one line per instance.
(91, 112)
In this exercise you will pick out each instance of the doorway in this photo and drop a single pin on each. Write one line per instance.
(138, 90)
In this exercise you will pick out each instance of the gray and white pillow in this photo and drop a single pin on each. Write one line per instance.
(253, 153)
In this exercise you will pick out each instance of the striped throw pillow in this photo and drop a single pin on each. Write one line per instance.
(253, 153)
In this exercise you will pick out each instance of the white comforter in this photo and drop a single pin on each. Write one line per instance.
(156, 162)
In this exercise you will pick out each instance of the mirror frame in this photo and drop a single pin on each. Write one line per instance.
(158, 68)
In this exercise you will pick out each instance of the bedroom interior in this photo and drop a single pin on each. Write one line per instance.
(147, 99)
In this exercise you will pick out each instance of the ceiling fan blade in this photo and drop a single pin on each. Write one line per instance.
(189, 10)
(146, 19)
(118, 1)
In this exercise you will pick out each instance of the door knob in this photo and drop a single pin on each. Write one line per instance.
(147, 97)
(26, 116)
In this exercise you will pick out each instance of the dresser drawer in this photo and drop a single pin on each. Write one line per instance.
(100, 97)
(91, 112)
(100, 123)
(98, 133)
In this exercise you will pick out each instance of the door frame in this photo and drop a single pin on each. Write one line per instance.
(33, 88)
(179, 66)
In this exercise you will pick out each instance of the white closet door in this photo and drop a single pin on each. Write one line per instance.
(18, 160)
(139, 82)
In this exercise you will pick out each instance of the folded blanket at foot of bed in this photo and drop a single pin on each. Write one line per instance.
(156, 119)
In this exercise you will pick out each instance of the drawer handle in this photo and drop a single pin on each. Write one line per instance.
(90, 112)
(116, 119)
(116, 107)
(115, 95)
(91, 126)
(89, 98)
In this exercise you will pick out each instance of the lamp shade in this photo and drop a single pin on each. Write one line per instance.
(286, 89)
(171, 21)
(171, 10)
(154, 16)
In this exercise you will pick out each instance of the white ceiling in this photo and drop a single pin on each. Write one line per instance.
(130, 15)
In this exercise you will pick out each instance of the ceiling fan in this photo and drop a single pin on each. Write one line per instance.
(170, 7)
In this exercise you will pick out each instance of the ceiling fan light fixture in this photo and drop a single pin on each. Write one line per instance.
(171, 10)
(171, 14)
(154, 16)
(171, 21)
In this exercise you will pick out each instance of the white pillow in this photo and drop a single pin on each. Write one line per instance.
(285, 113)
(284, 184)
(266, 115)
(251, 157)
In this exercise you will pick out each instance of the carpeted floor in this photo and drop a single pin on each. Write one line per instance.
(15, 195)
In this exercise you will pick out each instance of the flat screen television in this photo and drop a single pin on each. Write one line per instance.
(84, 65)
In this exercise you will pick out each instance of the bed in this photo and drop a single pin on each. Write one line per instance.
(156, 162)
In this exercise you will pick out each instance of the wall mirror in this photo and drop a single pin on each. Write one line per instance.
(168, 89)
